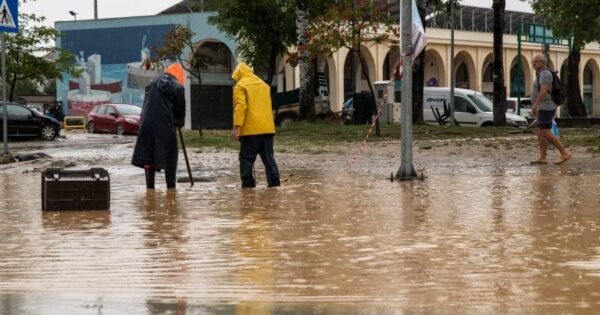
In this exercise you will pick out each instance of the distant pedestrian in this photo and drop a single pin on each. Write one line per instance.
(544, 109)
(253, 125)
(162, 113)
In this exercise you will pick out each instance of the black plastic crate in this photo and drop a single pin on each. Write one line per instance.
(75, 190)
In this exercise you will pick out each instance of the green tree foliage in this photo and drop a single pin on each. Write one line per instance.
(264, 30)
(351, 24)
(31, 55)
(580, 21)
(178, 40)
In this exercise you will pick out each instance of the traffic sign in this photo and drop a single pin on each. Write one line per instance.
(9, 16)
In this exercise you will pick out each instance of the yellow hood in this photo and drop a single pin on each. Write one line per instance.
(241, 70)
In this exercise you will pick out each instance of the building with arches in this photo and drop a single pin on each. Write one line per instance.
(110, 52)
(473, 58)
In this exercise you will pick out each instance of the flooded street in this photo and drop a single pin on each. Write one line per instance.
(482, 234)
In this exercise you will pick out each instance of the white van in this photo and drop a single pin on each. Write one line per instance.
(471, 109)
(511, 106)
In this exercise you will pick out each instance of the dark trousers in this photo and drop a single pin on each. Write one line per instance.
(170, 177)
(251, 146)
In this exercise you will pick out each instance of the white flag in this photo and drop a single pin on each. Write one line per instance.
(419, 38)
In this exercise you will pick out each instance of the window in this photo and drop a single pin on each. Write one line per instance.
(510, 105)
(526, 104)
(129, 110)
(19, 111)
(110, 110)
(484, 104)
(100, 110)
(461, 104)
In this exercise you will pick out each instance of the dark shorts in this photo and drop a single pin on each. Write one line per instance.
(544, 119)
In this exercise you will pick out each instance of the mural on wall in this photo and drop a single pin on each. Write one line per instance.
(111, 63)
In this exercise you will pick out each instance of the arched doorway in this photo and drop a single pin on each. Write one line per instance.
(564, 73)
(391, 59)
(520, 86)
(465, 72)
(434, 69)
(591, 87)
(215, 60)
(212, 103)
(354, 78)
(487, 86)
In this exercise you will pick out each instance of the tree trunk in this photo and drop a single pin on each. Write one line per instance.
(307, 93)
(575, 104)
(419, 73)
(499, 84)
(13, 85)
(272, 65)
(363, 66)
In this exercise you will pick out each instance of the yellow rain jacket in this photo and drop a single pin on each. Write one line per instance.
(253, 111)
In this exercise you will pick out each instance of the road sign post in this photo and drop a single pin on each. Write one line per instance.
(9, 23)
(407, 170)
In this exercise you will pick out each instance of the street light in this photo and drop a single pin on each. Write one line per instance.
(74, 14)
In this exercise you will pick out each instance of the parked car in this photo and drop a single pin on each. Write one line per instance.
(114, 118)
(24, 122)
(286, 105)
(511, 106)
(471, 109)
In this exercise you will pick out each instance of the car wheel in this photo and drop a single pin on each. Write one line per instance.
(487, 124)
(91, 128)
(285, 121)
(48, 132)
(120, 129)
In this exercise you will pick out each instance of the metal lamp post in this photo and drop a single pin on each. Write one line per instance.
(452, 72)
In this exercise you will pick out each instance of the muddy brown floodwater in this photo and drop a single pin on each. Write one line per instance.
(482, 234)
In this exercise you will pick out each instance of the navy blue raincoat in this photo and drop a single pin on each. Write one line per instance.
(162, 113)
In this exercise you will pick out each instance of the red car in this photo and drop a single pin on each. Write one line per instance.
(115, 118)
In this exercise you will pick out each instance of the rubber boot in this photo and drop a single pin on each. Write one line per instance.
(171, 178)
(150, 176)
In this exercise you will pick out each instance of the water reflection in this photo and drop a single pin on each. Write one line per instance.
(495, 243)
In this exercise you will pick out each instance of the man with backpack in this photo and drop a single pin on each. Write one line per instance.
(547, 95)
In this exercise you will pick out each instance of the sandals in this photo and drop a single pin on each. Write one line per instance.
(563, 159)
(538, 162)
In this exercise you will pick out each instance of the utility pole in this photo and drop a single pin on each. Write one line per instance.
(407, 170)
(5, 153)
(452, 72)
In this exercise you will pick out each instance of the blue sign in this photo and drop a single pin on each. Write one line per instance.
(9, 16)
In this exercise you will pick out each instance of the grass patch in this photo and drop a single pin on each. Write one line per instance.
(325, 137)
(588, 138)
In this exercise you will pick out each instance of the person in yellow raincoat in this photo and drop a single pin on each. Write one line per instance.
(253, 125)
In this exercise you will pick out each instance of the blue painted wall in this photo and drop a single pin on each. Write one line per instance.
(120, 41)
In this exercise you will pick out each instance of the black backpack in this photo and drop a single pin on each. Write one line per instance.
(557, 93)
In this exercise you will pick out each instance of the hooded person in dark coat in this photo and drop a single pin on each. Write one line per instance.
(163, 112)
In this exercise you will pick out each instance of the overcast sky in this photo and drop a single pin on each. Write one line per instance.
(58, 10)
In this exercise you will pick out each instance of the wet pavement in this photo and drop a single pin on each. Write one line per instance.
(476, 237)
